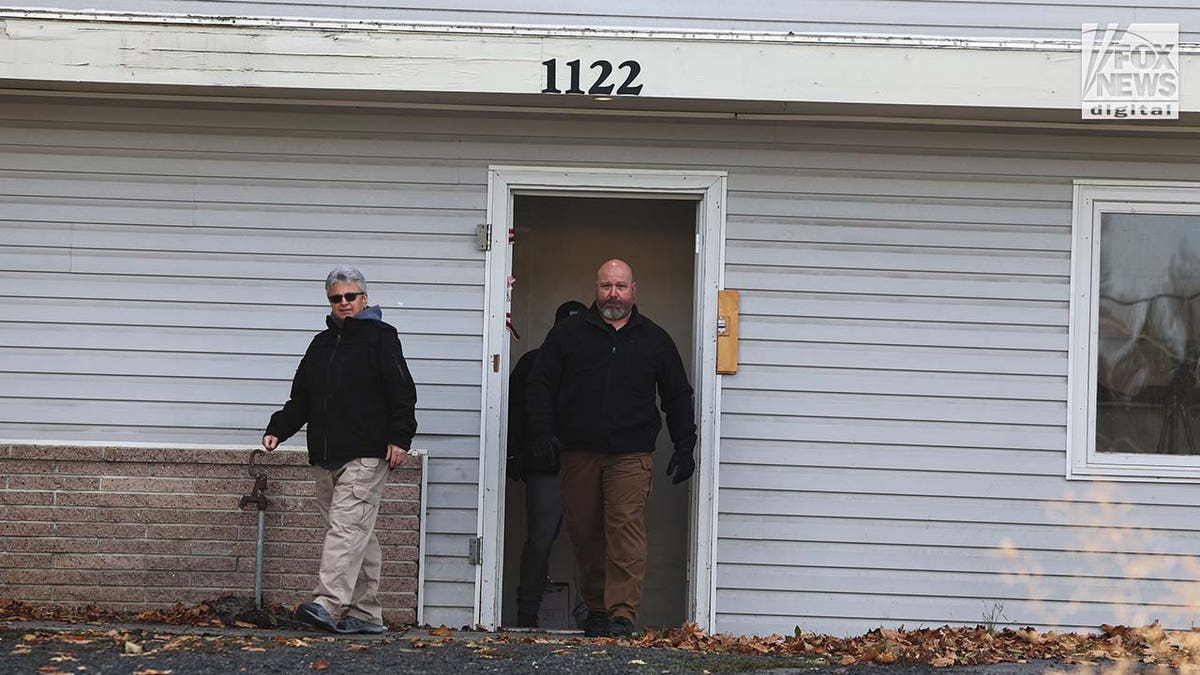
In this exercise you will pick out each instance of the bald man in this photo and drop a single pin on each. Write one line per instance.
(591, 408)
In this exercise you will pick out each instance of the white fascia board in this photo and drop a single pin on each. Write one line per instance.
(152, 51)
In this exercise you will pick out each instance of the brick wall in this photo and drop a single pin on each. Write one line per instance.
(135, 528)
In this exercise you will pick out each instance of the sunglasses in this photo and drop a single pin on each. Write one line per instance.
(350, 297)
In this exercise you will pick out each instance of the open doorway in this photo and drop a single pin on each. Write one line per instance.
(558, 243)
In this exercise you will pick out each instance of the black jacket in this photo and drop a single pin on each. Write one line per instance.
(521, 461)
(593, 387)
(354, 390)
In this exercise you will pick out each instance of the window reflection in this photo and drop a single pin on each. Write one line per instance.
(1148, 390)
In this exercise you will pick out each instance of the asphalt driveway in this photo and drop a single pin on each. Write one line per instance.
(146, 649)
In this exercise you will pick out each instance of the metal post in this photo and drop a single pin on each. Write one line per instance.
(257, 497)
(258, 560)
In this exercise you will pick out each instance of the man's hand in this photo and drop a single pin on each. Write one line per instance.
(546, 452)
(270, 442)
(681, 465)
(395, 453)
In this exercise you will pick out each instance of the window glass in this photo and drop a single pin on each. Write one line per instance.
(1148, 352)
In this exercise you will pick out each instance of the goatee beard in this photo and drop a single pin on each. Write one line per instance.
(614, 313)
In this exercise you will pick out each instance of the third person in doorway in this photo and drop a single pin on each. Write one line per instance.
(592, 408)
(543, 503)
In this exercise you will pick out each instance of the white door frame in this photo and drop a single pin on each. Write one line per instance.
(706, 187)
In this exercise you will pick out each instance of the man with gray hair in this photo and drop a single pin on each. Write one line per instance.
(355, 392)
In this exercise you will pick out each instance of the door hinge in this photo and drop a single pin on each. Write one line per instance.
(475, 551)
(483, 236)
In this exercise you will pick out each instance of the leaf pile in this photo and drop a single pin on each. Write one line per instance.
(950, 646)
(15, 610)
(224, 612)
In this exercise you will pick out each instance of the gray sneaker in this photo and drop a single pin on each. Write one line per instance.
(353, 624)
(315, 615)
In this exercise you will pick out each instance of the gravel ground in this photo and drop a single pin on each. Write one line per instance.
(47, 647)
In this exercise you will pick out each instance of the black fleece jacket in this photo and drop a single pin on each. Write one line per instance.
(593, 387)
(354, 390)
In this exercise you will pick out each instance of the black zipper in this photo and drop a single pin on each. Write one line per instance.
(612, 357)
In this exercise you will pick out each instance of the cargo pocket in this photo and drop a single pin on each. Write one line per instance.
(365, 495)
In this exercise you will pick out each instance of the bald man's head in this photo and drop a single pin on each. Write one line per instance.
(616, 291)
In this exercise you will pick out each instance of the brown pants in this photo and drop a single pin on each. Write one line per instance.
(604, 504)
(351, 560)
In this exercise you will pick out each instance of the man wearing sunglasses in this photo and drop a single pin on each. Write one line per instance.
(355, 392)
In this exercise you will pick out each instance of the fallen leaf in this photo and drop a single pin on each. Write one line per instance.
(440, 631)
(243, 624)
(358, 648)
(638, 662)
(152, 671)
(291, 642)
(320, 664)
(942, 662)
(847, 660)
(133, 647)
(20, 650)
(254, 649)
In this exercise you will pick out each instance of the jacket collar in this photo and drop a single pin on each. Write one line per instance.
(372, 313)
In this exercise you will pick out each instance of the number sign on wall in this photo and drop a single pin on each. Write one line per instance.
(603, 83)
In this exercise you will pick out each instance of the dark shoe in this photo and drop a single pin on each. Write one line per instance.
(527, 620)
(353, 624)
(315, 615)
(596, 624)
(621, 627)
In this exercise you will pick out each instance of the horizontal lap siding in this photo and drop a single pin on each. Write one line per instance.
(893, 443)
(160, 285)
(899, 412)
(975, 18)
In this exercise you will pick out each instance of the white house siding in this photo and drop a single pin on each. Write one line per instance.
(1024, 19)
(893, 443)
(162, 270)
(893, 446)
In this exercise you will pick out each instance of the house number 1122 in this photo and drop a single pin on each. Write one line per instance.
(601, 86)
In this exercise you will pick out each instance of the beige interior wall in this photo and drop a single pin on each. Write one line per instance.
(560, 242)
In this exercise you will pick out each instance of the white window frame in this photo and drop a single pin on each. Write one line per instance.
(1092, 199)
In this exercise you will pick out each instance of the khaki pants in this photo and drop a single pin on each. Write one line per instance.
(351, 561)
(604, 504)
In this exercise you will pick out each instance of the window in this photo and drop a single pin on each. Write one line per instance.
(1134, 402)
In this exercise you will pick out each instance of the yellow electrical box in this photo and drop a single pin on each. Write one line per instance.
(727, 332)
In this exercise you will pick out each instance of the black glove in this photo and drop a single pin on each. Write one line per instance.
(515, 468)
(545, 454)
(681, 465)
